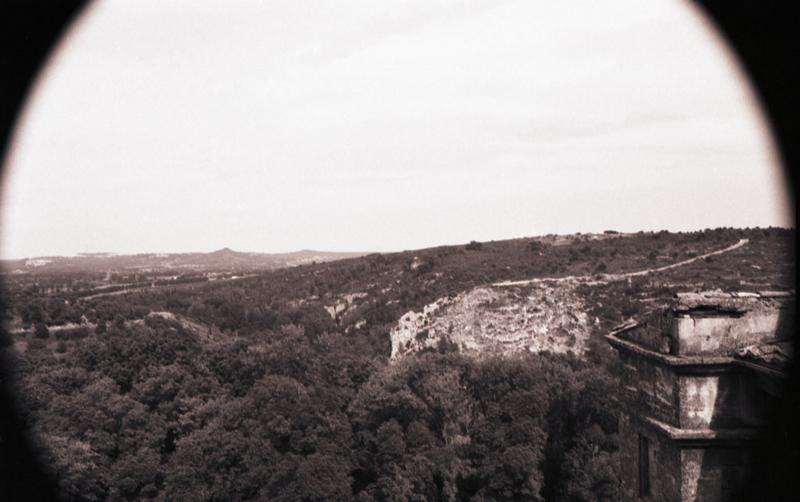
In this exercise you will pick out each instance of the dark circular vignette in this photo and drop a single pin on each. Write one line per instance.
(762, 33)
(29, 29)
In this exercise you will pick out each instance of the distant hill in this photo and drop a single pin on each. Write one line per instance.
(224, 259)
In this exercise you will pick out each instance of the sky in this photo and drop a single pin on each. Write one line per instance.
(272, 126)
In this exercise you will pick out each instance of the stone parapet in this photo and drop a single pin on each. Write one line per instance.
(715, 323)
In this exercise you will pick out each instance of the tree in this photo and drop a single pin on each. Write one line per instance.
(40, 330)
(318, 478)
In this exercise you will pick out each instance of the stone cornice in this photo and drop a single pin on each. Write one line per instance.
(679, 364)
(689, 438)
(696, 365)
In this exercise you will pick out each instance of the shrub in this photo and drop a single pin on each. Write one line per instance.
(40, 330)
(535, 246)
(64, 334)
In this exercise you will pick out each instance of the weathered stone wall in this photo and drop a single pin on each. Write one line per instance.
(713, 474)
(649, 389)
(702, 399)
(664, 462)
(724, 334)
(653, 332)
(726, 400)
(695, 474)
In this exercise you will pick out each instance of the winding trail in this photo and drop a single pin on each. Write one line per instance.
(616, 277)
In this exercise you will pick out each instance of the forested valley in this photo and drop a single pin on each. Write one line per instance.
(278, 385)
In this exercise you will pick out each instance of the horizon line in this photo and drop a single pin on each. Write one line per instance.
(306, 249)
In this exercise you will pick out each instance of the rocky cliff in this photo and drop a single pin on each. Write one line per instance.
(498, 320)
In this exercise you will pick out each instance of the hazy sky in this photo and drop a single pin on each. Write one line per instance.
(362, 125)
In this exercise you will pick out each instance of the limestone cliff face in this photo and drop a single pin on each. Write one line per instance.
(343, 304)
(494, 320)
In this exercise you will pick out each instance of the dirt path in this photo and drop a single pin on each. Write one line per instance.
(617, 277)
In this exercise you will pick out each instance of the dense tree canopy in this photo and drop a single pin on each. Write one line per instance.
(151, 411)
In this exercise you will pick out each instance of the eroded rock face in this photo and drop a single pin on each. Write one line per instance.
(341, 307)
(491, 320)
